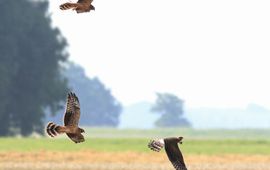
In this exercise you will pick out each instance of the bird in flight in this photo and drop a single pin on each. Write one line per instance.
(80, 7)
(172, 150)
(71, 121)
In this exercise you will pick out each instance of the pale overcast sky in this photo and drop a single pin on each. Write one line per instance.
(208, 52)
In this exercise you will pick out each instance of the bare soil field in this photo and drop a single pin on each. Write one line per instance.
(95, 160)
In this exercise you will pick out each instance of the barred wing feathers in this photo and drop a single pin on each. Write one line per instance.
(72, 114)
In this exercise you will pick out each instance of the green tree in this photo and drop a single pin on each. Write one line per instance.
(98, 106)
(171, 109)
(30, 53)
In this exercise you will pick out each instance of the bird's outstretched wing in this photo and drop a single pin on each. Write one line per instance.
(72, 114)
(175, 155)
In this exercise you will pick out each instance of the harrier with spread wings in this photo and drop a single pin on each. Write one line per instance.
(172, 150)
(71, 121)
(81, 6)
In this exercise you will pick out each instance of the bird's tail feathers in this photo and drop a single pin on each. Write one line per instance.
(68, 5)
(53, 129)
(156, 145)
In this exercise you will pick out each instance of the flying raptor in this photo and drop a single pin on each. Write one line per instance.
(80, 7)
(71, 121)
(172, 150)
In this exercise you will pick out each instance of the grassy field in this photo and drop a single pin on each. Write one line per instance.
(249, 134)
(190, 146)
(111, 149)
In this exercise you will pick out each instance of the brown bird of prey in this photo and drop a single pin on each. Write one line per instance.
(173, 152)
(71, 121)
(81, 6)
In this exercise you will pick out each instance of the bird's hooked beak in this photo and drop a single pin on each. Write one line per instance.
(92, 7)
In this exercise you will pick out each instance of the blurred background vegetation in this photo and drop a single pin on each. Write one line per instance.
(36, 74)
(31, 54)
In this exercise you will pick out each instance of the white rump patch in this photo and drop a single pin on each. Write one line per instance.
(161, 141)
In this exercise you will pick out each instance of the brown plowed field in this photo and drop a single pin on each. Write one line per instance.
(93, 160)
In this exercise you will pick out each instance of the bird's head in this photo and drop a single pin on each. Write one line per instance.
(82, 130)
(92, 7)
(179, 139)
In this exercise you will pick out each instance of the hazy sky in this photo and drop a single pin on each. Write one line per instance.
(210, 53)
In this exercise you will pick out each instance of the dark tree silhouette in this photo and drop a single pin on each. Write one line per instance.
(30, 54)
(171, 109)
